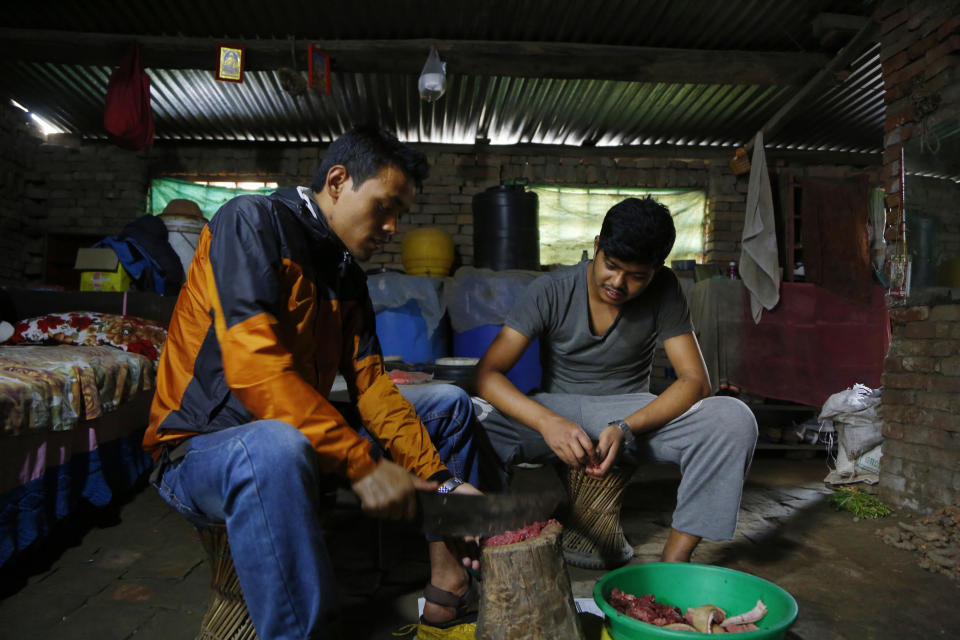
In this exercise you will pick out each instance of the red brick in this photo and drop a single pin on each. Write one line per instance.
(911, 416)
(893, 365)
(920, 364)
(945, 62)
(915, 68)
(885, 10)
(892, 430)
(892, 154)
(918, 49)
(938, 401)
(905, 381)
(950, 366)
(896, 62)
(949, 45)
(945, 312)
(897, 396)
(946, 384)
(892, 21)
(920, 330)
(934, 348)
(950, 26)
(909, 314)
(918, 16)
(927, 436)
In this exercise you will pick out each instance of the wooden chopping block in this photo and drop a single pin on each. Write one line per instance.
(526, 591)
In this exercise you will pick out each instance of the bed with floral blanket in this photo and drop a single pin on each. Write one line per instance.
(75, 392)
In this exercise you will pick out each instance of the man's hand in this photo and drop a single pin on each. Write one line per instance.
(388, 492)
(569, 441)
(608, 449)
(467, 548)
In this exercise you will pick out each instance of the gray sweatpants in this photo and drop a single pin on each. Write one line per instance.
(712, 442)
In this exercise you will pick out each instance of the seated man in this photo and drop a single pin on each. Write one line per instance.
(598, 324)
(241, 426)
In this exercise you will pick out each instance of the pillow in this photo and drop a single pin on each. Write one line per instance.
(128, 333)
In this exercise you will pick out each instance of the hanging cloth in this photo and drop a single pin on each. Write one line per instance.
(759, 260)
(127, 116)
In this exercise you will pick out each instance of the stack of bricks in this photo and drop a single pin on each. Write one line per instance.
(920, 468)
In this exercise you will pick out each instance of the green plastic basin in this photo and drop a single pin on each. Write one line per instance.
(691, 585)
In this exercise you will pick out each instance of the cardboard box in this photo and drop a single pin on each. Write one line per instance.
(101, 270)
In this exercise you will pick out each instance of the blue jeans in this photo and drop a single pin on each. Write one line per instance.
(262, 480)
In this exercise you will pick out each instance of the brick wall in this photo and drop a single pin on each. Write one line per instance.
(457, 173)
(19, 144)
(920, 468)
(96, 188)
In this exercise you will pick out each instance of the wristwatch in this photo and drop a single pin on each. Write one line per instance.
(628, 435)
(450, 485)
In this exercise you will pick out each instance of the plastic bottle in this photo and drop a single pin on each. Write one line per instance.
(732, 271)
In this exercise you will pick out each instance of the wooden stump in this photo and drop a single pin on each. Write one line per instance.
(526, 591)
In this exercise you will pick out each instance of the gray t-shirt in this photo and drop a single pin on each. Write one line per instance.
(554, 309)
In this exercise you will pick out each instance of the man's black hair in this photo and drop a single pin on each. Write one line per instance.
(365, 151)
(638, 231)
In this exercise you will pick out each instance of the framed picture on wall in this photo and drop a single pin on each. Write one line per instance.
(230, 61)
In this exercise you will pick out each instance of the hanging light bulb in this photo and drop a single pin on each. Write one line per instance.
(433, 78)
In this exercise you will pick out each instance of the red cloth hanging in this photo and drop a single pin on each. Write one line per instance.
(127, 116)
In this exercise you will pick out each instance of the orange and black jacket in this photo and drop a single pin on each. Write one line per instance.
(273, 307)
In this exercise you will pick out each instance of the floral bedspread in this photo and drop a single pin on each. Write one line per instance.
(54, 387)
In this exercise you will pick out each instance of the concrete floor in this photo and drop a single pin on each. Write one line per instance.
(138, 571)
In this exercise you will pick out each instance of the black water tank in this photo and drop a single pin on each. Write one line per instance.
(506, 234)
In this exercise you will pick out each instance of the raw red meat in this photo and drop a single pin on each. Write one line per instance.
(408, 377)
(529, 531)
(644, 608)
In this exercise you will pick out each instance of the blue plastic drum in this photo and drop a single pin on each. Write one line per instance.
(473, 344)
(402, 331)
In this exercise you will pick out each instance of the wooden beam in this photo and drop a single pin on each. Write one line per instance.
(825, 23)
(469, 57)
(718, 154)
(853, 48)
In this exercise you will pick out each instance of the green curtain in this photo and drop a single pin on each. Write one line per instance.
(208, 197)
(570, 218)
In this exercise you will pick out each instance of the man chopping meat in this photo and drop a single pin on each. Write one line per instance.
(598, 323)
(274, 306)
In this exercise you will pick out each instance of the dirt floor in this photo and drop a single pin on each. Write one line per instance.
(138, 571)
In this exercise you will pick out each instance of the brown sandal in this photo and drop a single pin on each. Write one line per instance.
(465, 606)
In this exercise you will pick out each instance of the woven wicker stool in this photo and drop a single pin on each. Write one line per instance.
(227, 617)
(592, 534)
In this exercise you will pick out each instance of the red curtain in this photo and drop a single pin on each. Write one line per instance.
(127, 117)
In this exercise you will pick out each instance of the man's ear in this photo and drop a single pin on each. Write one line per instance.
(337, 178)
(596, 243)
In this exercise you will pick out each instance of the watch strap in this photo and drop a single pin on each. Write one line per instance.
(449, 485)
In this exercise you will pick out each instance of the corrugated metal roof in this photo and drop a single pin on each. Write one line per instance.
(190, 104)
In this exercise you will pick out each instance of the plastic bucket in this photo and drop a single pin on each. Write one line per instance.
(427, 251)
(183, 233)
(686, 585)
(402, 331)
(525, 375)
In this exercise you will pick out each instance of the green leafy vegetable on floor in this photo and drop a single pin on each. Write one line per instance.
(859, 503)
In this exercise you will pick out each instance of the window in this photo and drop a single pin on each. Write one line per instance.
(209, 196)
(570, 218)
